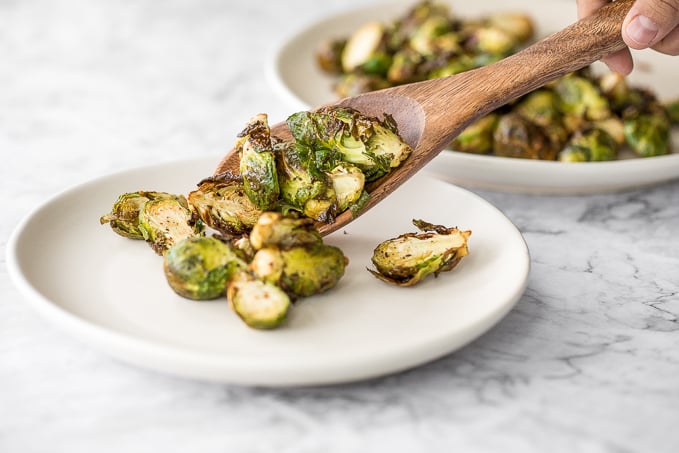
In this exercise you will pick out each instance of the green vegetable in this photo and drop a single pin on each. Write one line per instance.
(409, 258)
(199, 267)
(165, 221)
(259, 304)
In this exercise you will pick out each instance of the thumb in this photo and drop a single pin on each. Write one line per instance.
(649, 21)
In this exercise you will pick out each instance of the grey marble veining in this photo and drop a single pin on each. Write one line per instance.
(587, 361)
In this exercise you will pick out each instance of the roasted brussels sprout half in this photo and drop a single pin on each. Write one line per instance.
(300, 271)
(329, 55)
(515, 136)
(344, 134)
(257, 163)
(261, 305)
(362, 45)
(589, 145)
(221, 203)
(353, 84)
(348, 183)
(273, 228)
(647, 132)
(302, 185)
(124, 216)
(519, 26)
(165, 221)
(478, 136)
(672, 109)
(199, 267)
(580, 98)
(409, 258)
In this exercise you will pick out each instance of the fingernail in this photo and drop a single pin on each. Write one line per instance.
(642, 30)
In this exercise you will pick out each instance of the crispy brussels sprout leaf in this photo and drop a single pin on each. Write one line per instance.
(275, 229)
(261, 305)
(409, 258)
(199, 267)
(300, 271)
(165, 221)
(221, 203)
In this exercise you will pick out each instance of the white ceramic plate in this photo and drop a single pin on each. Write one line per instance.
(111, 292)
(295, 75)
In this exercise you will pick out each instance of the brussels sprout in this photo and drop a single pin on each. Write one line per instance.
(491, 40)
(302, 185)
(410, 257)
(478, 136)
(165, 221)
(614, 127)
(363, 44)
(424, 38)
(580, 98)
(353, 84)
(515, 136)
(589, 145)
(329, 55)
(257, 163)
(261, 305)
(378, 64)
(672, 109)
(300, 271)
(348, 182)
(273, 228)
(519, 26)
(221, 203)
(454, 65)
(124, 216)
(539, 107)
(406, 67)
(647, 132)
(344, 134)
(199, 267)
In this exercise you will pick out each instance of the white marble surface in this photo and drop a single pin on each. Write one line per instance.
(588, 361)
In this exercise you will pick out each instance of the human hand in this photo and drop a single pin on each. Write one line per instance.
(649, 24)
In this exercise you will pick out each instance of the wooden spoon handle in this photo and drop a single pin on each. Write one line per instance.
(489, 87)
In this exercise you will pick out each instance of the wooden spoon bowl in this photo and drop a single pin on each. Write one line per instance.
(430, 114)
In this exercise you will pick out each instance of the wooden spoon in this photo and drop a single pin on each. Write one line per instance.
(430, 114)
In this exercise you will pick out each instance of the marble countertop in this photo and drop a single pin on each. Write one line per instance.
(587, 361)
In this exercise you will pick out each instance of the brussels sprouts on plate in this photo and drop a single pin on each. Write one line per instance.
(409, 258)
(260, 304)
(199, 267)
(124, 216)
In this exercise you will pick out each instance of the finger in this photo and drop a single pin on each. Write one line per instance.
(669, 44)
(648, 22)
(620, 62)
(587, 7)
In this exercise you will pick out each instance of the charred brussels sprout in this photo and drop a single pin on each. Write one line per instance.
(344, 134)
(580, 98)
(647, 132)
(409, 258)
(222, 204)
(261, 305)
(302, 185)
(353, 84)
(329, 55)
(300, 271)
(199, 267)
(672, 109)
(257, 163)
(589, 145)
(478, 136)
(165, 221)
(124, 216)
(515, 136)
(272, 228)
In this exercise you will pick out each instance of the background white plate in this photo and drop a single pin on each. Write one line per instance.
(293, 72)
(111, 292)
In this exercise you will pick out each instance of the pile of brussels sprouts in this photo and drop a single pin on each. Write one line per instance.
(580, 117)
(266, 251)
